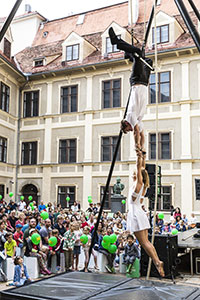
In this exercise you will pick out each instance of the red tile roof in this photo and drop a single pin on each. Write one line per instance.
(95, 23)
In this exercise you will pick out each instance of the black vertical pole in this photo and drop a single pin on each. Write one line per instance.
(149, 26)
(9, 19)
(194, 9)
(188, 22)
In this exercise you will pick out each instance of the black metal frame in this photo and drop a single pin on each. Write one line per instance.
(188, 22)
(9, 19)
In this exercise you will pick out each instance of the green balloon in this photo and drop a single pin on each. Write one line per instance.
(30, 198)
(22, 197)
(67, 199)
(35, 238)
(32, 207)
(1, 197)
(31, 204)
(105, 245)
(11, 194)
(123, 201)
(112, 248)
(52, 241)
(44, 215)
(84, 239)
(107, 239)
(161, 216)
(174, 231)
(90, 200)
(113, 238)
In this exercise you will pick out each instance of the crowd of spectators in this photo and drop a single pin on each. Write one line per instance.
(177, 221)
(18, 222)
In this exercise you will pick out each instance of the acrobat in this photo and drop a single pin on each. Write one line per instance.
(139, 81)
(137, 220)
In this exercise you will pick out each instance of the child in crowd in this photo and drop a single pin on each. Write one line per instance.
(68, 247)
(131, 252)
(10, 246)
(55, 250)
(86, 247)
(77, 246)
(21, 276)
(35, 251)
(166, 228)
(110, 256)
(18, 235)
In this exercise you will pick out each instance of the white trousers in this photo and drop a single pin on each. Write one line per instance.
(137, 106)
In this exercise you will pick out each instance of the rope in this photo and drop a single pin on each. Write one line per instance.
(145, 15)
(131, 17)
(156, 188)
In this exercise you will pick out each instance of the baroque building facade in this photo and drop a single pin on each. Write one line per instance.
(67, 94)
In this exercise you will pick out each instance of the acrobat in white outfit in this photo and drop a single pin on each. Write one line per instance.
(137, 220)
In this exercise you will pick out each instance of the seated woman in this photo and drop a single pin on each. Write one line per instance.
(137, 220)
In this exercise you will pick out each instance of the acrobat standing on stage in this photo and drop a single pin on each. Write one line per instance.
(137, 220)
(139, 81)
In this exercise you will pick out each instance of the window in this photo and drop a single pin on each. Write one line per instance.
(108, 145)
(67, 151)
(31, 104)
(165, 201)
(164, 146)
(111, 93)
(69, 99)
(109, 47)
(39, 62)
(3, 149)
(63, 193)
(2, 191)
(29, 153)
(72, 52)
(7, 48)
(107, 204)
(164, 87)
(162, 34)
(5, 97)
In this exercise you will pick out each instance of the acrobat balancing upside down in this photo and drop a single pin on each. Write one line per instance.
(137, 220)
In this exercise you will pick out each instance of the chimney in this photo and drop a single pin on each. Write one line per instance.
(27, 8)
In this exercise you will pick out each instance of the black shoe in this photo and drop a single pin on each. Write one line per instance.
(113, 37)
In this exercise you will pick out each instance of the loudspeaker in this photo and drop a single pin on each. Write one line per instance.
(167, 250)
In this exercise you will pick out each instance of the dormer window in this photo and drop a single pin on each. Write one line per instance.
(39, 62)
(72, 52)
(7, 48)
(109, 47)
(162, 34)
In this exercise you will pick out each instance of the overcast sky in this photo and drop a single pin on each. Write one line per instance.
(52, 9)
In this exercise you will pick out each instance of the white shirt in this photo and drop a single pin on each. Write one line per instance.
(74, 207)
(22, 205)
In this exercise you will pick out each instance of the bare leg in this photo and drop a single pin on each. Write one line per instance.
(142, 237)
(142, 140)
(137, 137)
(77, 261)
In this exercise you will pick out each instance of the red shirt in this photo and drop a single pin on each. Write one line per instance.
(17, 236)
(84, 224)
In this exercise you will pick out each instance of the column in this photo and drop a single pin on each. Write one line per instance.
(185, 81)
(87, 185)
(185, 131)
(88, 122)
(89, 93)
(49, 98)
(46, 185)
(186, 188)
(88, 138)
(198, 68)
(47, 141)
